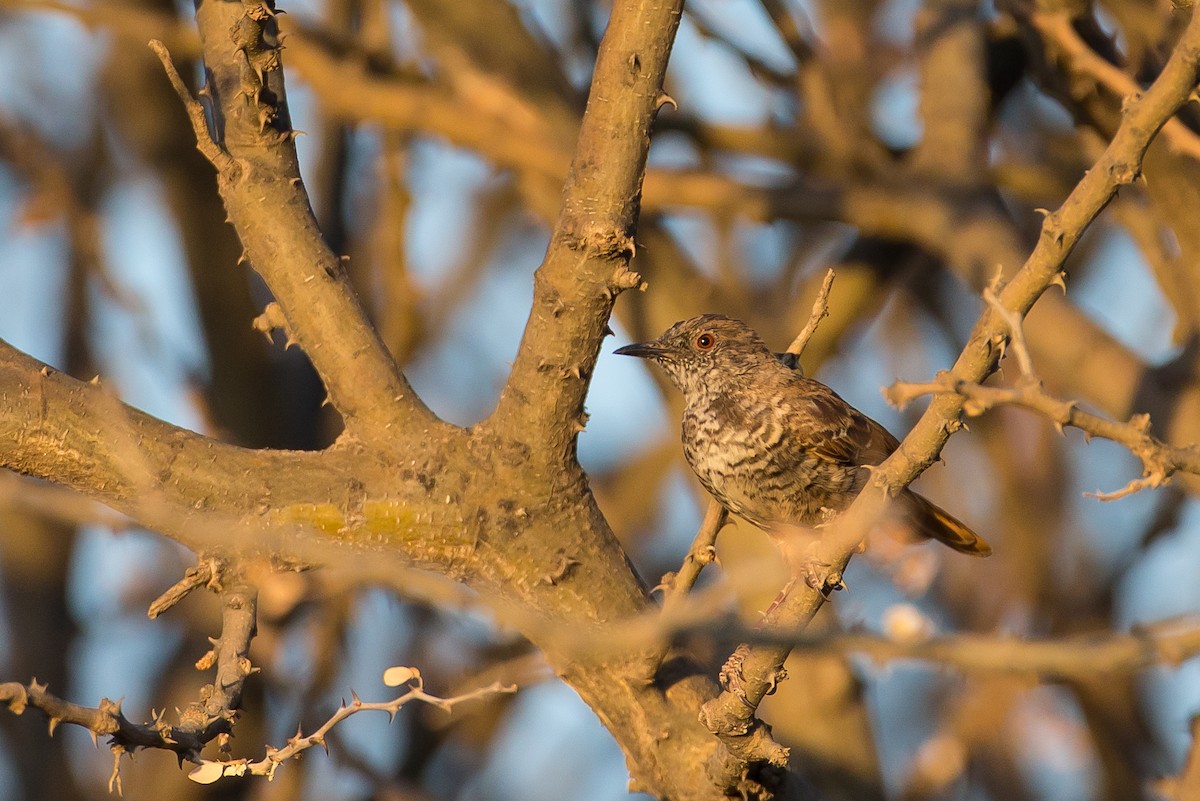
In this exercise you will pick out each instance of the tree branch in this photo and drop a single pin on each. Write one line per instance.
(210, 495)
(210, 771)
(253, 129)
(730, 716)
(210, 718)
(1159, 460)
(585, 266)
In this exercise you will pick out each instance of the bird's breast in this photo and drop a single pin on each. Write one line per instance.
(745, 455)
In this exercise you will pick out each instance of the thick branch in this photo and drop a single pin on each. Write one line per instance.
(210, 495)
(586, 263)
(270, 209)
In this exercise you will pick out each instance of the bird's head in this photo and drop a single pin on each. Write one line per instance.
(693, 351)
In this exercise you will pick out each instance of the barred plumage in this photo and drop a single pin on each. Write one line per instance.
(771, 445)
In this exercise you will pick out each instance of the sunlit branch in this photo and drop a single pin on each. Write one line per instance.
(211, 771)
(730, 715)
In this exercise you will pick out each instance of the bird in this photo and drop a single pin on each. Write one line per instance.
(774, 447)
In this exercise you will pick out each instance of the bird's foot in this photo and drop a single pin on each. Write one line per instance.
(731, 678)
(816, 574)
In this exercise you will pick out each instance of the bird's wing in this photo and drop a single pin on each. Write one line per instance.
(835, 430)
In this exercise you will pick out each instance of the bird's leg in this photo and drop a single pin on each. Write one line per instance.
(800, 547)
(787, 588)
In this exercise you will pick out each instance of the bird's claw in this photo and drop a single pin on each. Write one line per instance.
(818, 576)
(731, 678)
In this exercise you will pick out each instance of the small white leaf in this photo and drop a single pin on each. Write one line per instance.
(395, 676)
(207, 773)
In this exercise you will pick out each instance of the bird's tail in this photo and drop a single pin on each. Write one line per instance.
(931, 521)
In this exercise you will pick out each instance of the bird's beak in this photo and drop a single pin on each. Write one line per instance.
(643, 350)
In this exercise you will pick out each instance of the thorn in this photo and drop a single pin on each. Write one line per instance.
(665, 99)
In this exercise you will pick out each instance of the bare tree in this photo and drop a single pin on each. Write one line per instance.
(324, 471)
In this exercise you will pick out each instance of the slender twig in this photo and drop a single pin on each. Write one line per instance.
(1159, 459)
(211, 771)
(820, 311)
(703, 552)
(217, 155)
(205, 573)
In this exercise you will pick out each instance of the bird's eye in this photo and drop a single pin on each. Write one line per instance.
(705, 341)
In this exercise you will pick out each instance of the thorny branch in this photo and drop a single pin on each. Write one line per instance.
(1159, 460)
(211, 771)
(209, 718)
(731, 716)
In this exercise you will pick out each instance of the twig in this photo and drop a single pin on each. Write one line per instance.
(820, 311)
(217, 155)
(210, 718)
(702, 553)
(211, 771)
(1159, 460)
(193, 579)
(105, 719)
